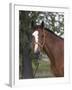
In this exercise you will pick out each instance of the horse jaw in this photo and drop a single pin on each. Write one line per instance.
(35, 34)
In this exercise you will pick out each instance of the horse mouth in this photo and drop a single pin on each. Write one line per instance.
(37, 55)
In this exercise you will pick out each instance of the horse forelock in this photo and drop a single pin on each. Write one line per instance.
(37, 27)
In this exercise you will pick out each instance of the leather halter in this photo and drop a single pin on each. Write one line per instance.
(41, 45)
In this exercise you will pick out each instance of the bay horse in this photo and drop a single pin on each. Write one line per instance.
(53, 45)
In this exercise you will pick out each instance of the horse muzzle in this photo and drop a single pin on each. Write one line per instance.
(37, 54)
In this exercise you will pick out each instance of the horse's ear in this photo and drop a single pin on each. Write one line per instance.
(42, 24)
(32, 24)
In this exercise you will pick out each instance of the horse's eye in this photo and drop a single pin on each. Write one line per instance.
(32, 36)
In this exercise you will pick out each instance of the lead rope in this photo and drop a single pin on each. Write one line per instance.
(41, 48)
(36, 69)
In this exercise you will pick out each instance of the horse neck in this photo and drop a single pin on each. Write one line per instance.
(49, 46)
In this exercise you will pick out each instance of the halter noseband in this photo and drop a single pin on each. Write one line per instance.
(41, 45)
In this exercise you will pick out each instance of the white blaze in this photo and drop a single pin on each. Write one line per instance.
(35, 34)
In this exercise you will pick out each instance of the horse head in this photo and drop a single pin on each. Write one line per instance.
(38, 38)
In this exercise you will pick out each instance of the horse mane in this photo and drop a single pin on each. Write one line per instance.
(48, 30)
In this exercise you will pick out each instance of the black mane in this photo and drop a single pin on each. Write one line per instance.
(47, 29)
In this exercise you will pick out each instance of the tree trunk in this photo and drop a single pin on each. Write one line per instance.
(27, 64)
